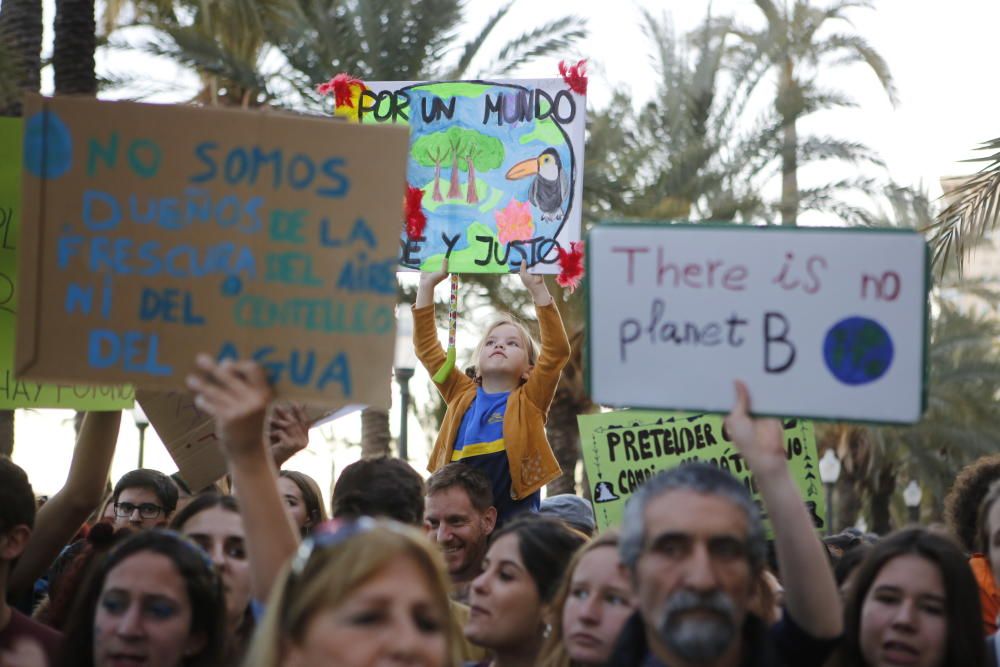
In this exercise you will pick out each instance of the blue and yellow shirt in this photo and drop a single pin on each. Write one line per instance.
(480, 444)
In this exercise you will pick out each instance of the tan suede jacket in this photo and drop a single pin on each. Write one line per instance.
(532, 463)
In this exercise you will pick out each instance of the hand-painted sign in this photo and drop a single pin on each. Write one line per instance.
(621, 450)
(500, 164)
(826, 323)
(158, 232)
(16, 392)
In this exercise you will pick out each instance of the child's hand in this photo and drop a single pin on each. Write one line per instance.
(428, 281)
(760, 441)
(236, 394)
(535, 284)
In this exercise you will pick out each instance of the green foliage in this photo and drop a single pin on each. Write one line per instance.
(432, 150)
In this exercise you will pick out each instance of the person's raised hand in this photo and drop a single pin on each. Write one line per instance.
(236, 394)
(24, 652)
(760, 441)
(289, 432)
(430, 279)
(535, 284)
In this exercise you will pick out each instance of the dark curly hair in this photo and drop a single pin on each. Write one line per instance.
(961, 505)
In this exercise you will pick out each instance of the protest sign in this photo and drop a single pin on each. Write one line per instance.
(500, 164)
(819, 322)
(158, 232)
(189, 434)
(16, 392)
(621, 450)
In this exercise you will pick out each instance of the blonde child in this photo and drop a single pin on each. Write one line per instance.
(496, 422)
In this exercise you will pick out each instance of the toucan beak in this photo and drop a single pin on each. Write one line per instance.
(523, 169)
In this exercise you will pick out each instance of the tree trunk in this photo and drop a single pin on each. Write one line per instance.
(471, 197)
(6, 433)
(455, 191)
(21, 33)
(437, 182)
(73, 48)
(884, 487)
(375, 434)
(564, 436)
(789, 108)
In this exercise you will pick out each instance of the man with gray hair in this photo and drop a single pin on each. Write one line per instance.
(694, 546)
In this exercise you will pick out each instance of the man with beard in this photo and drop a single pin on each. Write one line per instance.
(694, 545)
(460, 516)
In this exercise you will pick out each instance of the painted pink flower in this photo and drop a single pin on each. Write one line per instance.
(514, 222)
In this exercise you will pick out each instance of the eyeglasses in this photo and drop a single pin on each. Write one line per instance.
(146, 510)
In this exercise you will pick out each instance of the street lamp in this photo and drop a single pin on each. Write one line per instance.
(912, 495)
(829, 473)
(141, 423)
(404, 361)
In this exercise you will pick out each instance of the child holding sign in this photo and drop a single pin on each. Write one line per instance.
(496, 422)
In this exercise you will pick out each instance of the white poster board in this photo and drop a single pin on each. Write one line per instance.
(819, 322)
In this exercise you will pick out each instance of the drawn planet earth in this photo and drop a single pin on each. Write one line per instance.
(857, 350)
(48, 146)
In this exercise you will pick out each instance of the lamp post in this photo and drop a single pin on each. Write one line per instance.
(141, 423)
(404, 362)
(829, 473)
(912, 495)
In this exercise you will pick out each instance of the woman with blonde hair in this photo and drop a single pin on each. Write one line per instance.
(357, 593)
(589, 609)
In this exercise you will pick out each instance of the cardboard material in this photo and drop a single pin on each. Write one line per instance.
(157, 232)
(17, 392)
(189, 434)
(495, 135)
(623, 449)
(819, 322)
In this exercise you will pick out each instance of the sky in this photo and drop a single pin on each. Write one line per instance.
(941, 55)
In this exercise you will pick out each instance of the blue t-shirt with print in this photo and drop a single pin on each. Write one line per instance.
(480, 444)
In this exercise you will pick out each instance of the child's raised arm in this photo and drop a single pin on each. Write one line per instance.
(428, 281)
(535, 284)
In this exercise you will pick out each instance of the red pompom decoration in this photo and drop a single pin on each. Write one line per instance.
(416, 220)
(340, 86)
(575, 76)
(571, 266)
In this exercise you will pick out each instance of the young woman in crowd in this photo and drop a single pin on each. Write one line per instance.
(590, 607)
(356, 594)
(511, 601)
(989, 545)
(155, 600)
(913, 601)
(213, 522)
(303, 499)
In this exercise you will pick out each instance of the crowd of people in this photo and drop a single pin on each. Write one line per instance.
(471, 566)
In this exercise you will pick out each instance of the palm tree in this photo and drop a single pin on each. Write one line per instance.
(794, 45)
(73, 48)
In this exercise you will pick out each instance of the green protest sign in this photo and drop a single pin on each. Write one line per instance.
(623, 449)
(15, 393)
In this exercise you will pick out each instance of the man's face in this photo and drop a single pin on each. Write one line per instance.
(460, 529)
(137, 501)
(693, 579)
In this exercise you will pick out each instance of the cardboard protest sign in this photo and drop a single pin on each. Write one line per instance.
(500, 164)
(189, 434)
(16, 392)
(621, 450)
(819, 322)
(157, 232)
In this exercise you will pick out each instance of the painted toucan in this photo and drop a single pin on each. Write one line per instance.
(550, 189)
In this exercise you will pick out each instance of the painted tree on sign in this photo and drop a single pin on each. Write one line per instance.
(480, 151)
(431, 150)
(455, 136)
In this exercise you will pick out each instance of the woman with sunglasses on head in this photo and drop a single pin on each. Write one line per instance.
(510, 603)
(213, 522)
(359, 596)
(590, 608)
(155, 600)
(912, 601)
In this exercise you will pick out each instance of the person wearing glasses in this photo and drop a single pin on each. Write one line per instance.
(144, 499)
